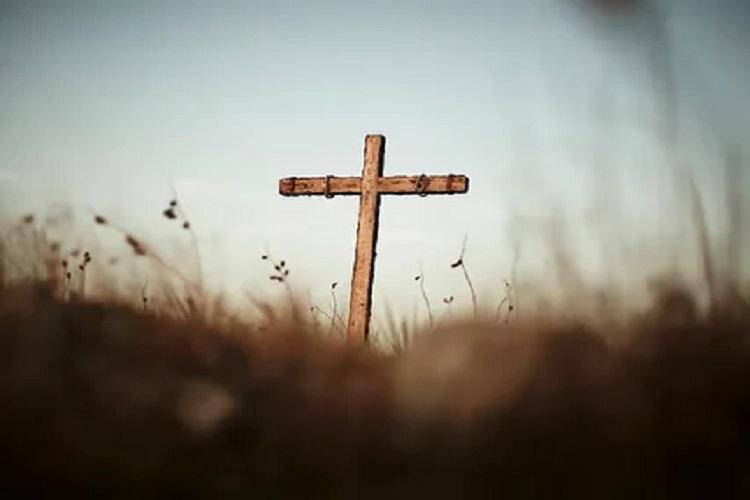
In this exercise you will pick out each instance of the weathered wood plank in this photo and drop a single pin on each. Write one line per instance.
(396, 184)
(360, 301)
(370, 186)
(309, 186)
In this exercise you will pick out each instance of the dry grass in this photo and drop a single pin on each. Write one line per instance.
(121, 402)
(157, 396)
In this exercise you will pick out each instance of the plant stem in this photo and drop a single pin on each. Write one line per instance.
(471, 288)
(425, 298)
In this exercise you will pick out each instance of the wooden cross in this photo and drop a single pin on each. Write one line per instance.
(369, 187)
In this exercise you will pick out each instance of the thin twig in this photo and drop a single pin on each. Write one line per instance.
(460, 263)
(508, 299)
(334, 305)
(281, 275)
(513, 274)
(188, 226)
(144, 298)
(321, 311)
(704, 242)
(499, 309)
(425, 299)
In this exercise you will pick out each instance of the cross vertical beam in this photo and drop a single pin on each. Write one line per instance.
(369, 188)
(360, 300)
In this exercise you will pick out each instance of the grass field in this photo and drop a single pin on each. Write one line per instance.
(149, 398)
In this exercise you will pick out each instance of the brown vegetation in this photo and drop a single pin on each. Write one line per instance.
(106, 399)
(176, 398)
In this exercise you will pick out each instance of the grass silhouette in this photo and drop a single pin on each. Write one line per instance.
(148, 398)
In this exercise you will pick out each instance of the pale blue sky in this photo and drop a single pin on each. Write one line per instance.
(545, 105)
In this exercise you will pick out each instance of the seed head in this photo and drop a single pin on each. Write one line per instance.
(135, 245)
(333, 285)
(186, 225)
(170, 214)
(27, 219)
(100, 220)
(457, 263)
(173, 203)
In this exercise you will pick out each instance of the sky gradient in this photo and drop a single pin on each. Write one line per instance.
(576, 129)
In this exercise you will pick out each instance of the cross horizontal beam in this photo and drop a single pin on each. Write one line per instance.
(396, 184)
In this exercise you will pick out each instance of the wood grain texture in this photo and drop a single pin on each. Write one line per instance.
(360, 300)
(396, 184)
(369, 187)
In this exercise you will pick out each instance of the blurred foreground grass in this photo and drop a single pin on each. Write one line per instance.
(109, 400)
